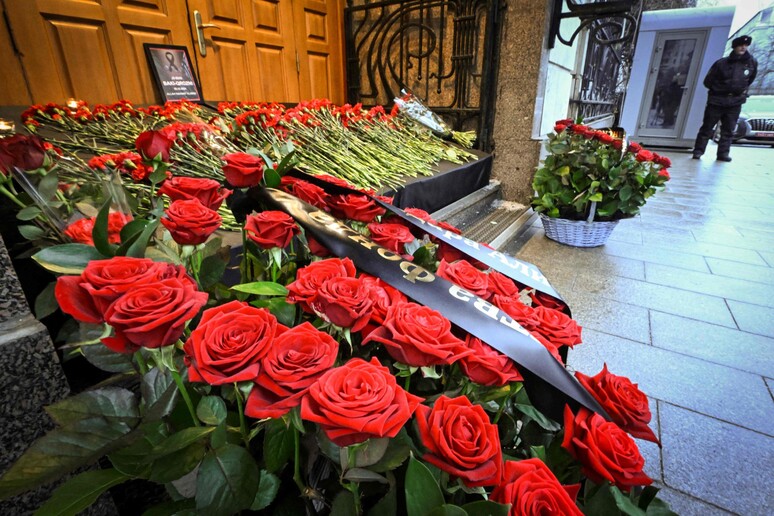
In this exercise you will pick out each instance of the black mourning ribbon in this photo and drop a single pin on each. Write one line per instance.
(549, 385)
(517, 270)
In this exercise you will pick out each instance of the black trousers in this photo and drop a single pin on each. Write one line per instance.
(728, 116)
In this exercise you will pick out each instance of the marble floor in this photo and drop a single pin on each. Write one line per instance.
(681, 300)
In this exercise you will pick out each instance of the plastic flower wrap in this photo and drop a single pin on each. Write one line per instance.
(410, 105)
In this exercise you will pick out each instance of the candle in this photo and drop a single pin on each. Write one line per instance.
(72, 103)
(6, 126)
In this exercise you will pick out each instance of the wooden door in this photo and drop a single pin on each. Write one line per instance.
(93, 50)
(271, 50)
(318, 36)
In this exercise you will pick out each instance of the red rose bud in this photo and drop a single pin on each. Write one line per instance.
(358, 401)
(229, 342)
(391, 236)
(22, 151)
(154, 145)
(460, 440)
(531, 488)
(309, 279)
(296, 359)
(418, 336)
(243, 170)
(190, 222)
(626, 404)
(206, 191)
(344, 302)
(605, 451)
(153, 315)
(271, 229)
(487, 366)
(88, 296)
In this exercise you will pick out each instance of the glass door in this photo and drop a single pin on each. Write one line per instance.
(671, 80)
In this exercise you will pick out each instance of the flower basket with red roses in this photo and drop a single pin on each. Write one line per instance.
(365, 360)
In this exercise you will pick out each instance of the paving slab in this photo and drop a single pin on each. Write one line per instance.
(653, 255)
(757, 273)
(687, 505)
(753, 318)
(706, 249)
(665, 299)
(717, 344)
(703, 283)
(704, 457)
(608, 316)
(722, 392)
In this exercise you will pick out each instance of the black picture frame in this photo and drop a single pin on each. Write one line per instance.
(173, 72)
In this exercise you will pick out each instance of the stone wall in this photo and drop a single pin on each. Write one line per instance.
(523, 62)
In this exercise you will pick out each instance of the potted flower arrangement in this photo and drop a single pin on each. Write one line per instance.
(365, 360)
(590, 180)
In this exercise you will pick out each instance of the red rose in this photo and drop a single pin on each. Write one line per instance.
(296, 359)
(310, 278)
(242, 169)
(154, 145)
(617, 144)
(344, 302)
(460, 440)
(644, 155)
(487, 366)
(662, 160)
(383, 297)
(310, 193)
(355, 207)
(558, 128)
(358, 401)
(335, 180)
(605, 451)
(532, 489)
(501, 285)
(271, 229)
(418, 336)
(521, 313)
(391, 236)
(88, 296)
(664, 173)
(206, 191)
(316, 248)
(80, 231)
(22, 151)
(229, 343)
(557, 327)
(626, 404)
(541, 299)
(465, 275)
(190, 222)
(634, 147)
(152, 315)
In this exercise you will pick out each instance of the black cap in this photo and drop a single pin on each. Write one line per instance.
(741, 40)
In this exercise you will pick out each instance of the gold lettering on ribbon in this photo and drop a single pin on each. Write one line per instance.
(416, 273)
(487, 309)
(389, 255)
(360, 239)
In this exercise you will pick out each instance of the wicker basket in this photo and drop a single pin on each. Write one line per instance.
(577, 233)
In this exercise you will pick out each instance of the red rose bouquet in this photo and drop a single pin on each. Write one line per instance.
(268, 377)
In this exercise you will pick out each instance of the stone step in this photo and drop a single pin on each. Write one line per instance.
(483, 216)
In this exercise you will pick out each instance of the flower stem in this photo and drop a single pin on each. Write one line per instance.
(141, 362)
(12, 197)
(241, 410)
(297, 461)
(186, 397)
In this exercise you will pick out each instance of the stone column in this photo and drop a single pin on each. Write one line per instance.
(523, 65)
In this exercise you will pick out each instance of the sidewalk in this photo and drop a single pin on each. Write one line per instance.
(681, 300)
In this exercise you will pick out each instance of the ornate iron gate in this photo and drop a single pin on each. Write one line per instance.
(444, 51)
(606, 71)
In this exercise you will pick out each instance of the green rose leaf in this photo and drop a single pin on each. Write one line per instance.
(343, 504)
(178, 464)
(268, 487)
(112, 404)
(262, 288)
(212, 270)
(106, 359)
(179, 440)
(159, 392)
(227, 481)
(448, 510)
(137, 248)
(271, 178)
(67, 258)
(183, 507)
(100, 231)
(486, 508)
(31, 232)
(80, 492)
(625, 504)
(211, 410)
(278, 445)
(389, 503)
(423, 494)
(45, 303)
(28, 213)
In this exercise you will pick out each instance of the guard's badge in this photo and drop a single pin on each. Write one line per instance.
(747, 72)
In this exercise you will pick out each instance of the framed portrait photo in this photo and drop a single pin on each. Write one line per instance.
(173, 72)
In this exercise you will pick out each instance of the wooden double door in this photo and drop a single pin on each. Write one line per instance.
(254, 50)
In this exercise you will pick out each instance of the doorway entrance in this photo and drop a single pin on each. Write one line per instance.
(670, 83)
(250, 50)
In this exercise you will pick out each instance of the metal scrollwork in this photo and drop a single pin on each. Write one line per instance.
(444, 51)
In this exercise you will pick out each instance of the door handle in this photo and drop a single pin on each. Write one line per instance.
(200, 31)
